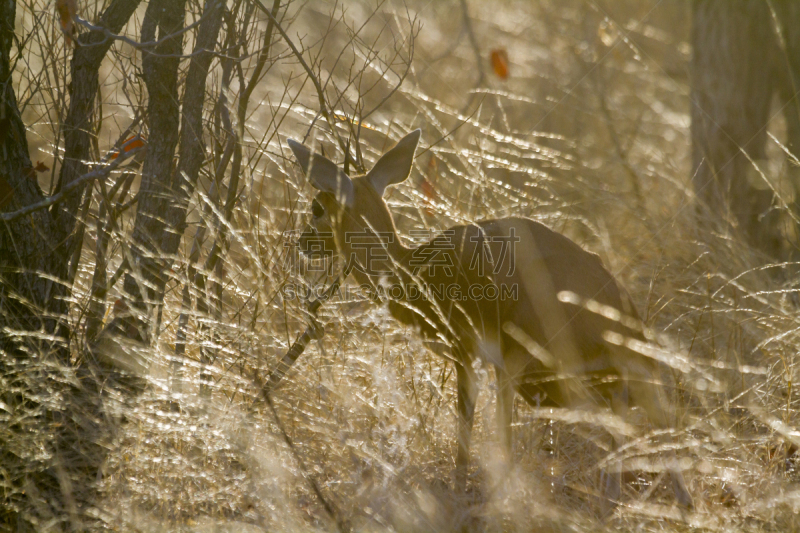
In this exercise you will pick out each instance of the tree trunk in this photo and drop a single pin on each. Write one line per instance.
(52, 425)
(732, 86)
(166, 188)
(744, 52)
(787, 73)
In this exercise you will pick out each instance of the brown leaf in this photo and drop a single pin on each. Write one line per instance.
(41, 167)
(499, 59)
(120, 306)
(131, 143)
(67, 9)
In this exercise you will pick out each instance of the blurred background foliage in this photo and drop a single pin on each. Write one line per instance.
(135, 406)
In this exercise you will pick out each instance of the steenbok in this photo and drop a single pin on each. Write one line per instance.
(545, 313)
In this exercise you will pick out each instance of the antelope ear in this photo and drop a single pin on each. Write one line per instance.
(323, 174)
(395, 165)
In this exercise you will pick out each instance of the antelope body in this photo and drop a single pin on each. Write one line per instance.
(509, 292)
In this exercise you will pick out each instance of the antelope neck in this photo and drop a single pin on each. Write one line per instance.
(394, 268)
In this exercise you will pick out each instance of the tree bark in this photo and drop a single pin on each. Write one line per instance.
(787, 73)
(732, 87)
(78, 126)
(52, 425)
(29, 251)
(160, 69)
(165, 191)
(744, 52)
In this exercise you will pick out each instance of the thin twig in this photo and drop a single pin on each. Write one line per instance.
(136, 44)
(323, 107)
(99, 173)
(473, 41)
(329, 509)
(314, 331)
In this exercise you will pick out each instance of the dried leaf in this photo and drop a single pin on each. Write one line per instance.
(120, 307)
(67, 9)
(131, 143)
(499, 59)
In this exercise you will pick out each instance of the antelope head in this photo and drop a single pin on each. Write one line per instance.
(346, 208)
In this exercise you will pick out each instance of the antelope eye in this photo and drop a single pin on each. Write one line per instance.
(316, 209)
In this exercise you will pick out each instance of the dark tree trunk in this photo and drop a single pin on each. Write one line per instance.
(787, 72)
(30, 303)
(29, 250)
(160, 70)
(732, 87)
(79, 124)
(52, 424)
(742, 56)
(165, 188)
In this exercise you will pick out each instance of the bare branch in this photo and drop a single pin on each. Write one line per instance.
(72, 188)
(323, 106)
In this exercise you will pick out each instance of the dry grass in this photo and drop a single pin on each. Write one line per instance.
(590, 136)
